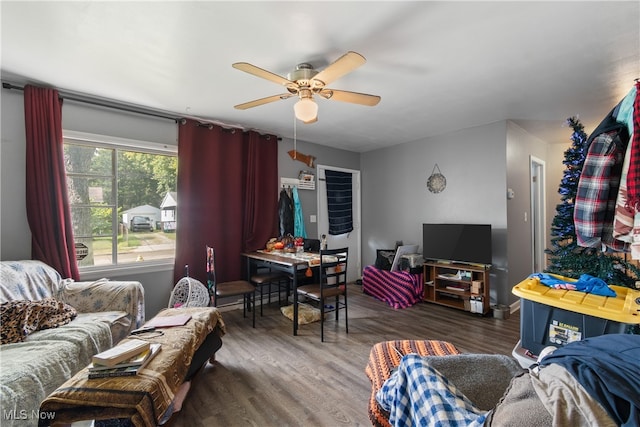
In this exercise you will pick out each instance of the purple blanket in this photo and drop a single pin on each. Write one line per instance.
(399, 289)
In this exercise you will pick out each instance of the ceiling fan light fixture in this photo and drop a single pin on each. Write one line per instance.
(306, 110)
(305, 81)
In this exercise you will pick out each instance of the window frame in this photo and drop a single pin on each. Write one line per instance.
(119, 143)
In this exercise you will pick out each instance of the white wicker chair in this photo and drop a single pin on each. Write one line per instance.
(189, 292)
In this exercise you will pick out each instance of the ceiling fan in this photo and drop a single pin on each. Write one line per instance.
(305, 82)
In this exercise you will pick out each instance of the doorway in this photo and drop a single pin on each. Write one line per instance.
(351, 240)
(538, 217)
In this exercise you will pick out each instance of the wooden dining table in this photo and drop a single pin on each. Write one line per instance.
(289, 263)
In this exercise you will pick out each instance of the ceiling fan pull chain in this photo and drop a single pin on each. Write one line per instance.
(295, 139)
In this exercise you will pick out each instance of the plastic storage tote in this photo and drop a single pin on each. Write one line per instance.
(555, 317)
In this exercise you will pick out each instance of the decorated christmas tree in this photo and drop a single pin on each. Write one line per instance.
(566, 258)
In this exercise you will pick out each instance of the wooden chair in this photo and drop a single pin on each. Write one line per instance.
(229, 289)
(331, 290)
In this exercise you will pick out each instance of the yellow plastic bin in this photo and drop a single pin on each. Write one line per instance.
(555, 317)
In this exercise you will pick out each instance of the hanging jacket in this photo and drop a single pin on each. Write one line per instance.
(598, 190)
(285, 212)
(298, 227)
(623, 217)
(633, 174)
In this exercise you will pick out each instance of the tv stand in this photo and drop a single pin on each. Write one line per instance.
(458, 285)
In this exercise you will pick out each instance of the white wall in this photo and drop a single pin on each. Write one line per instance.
(15, 241)
(396, 201)
(520, 147)
(479, 164)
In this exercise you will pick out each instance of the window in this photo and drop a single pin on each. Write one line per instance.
(122, 195)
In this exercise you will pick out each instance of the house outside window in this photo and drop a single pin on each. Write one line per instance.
(116, 188)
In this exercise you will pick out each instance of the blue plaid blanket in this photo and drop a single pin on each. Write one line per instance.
(417, 394)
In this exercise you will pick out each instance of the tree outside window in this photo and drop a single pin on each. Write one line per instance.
(115, 194)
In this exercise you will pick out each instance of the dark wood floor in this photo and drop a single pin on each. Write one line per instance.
(267, 377)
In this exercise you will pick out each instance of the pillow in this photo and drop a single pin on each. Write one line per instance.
(384, 258)
(306, 313)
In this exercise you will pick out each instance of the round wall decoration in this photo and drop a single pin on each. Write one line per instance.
(436, 182)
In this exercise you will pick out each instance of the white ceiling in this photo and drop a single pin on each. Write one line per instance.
(438, 66)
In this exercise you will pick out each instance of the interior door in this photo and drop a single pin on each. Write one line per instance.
(351, 240)
(538, 219)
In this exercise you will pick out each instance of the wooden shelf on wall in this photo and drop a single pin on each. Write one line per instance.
(299, 183)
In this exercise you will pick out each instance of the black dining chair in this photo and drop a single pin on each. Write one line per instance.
(266, 279)
(331, 290)
(311, 245)
(231, 288)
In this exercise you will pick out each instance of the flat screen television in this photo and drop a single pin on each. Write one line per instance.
(465, 243)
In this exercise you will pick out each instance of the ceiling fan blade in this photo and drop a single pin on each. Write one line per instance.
(352, 97)
(341, 66)
(259, 72)
(263, 101)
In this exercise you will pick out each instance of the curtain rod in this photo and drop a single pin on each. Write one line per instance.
(103, 103)
(123, 107)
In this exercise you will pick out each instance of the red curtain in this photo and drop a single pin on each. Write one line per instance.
(227, 197)
(48, 210)
(260, 219)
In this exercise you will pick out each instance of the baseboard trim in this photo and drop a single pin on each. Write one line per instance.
(237, 305)
(514, 307)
